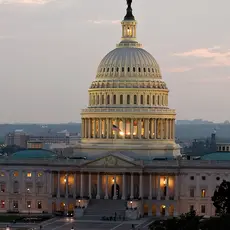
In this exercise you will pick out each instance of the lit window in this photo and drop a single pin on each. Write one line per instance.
(29, 174)
(2, 174)
(15, 204)
(39, 205)
(203, 193)
(2, 204)
(39, 174)
(15, 174)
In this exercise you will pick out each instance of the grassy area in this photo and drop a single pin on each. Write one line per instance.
(22, 218)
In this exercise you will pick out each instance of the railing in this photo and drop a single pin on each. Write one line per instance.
(129, 110)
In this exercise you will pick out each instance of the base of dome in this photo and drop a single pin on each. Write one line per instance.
(137, 149)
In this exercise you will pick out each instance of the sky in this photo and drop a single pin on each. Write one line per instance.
(50, 50)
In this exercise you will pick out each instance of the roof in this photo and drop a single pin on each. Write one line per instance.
(34, 154)
(217, 156)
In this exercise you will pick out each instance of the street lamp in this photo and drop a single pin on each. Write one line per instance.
(79, 203)
(72, 228)
(131, 204)
(7, 227)
(29, 206)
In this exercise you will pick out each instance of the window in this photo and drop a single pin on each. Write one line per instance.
(29, 174)
(128, 69)
(104, 70)
(15, 204)
(203, 178)
(148, 101)
(16, 187)
(153, 99)
(28, 204)
(39, 205)
(108, 100)
(128, 99)
(112, 69)
(191, 208)
(107, 69)
(2, 204)
(144, 70)
(142, 99)
(191, 177)
(139, 69)
(218, 178)
(135, 99)
(134, 69)
(114, 100)
(149, 70)
(202, 208)
(121, 99)
(2, 174)
(192, 192)
(123, 69)
(15, 174)
(3, 187)
(153, 70)
(203, 193)
(117, 69)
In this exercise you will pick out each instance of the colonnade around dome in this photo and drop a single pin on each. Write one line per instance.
(128, 128)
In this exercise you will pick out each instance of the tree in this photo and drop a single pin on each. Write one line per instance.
(221, 198)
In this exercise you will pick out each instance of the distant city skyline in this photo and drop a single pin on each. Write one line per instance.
(50, 50)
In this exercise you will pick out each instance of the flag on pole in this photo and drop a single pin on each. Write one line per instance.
(115, 128)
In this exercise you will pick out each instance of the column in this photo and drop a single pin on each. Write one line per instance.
(176, 187)
(150, 187)
(66, 186)
(94, 128)
(58, 184)
(161, 124)
(173, 128)
(123, 187)
(86, 128)
(141, 186)
(100, 132)
(155, 128)
(167, 188)
(159, 188)
(139, 129)
(131, 192)
(50, 182)
(115, 188)
(82, 127)
(124, 127)
(116, 132)
(131, 129)
(74, 185)
(82, 183)
(98, 186)
(90, 188)
(89, 128)
(107, 128)
(106, 187)
(166, 129)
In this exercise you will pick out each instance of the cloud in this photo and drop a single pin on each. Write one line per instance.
(214, 57)
(104, 21)
(212, 80)
(34, 2)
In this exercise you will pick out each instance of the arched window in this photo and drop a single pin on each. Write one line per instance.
(121, 99)
(112, 69)
(144, 70)
(102, 99)
(134, 69)
(93, 99)
(104, 70)
(97, 100)
(123, 69)
(152, 70)
(108, 100)
(107, 69)
(117, 69)
(142, 99)
(148, 101)
(149, 70)
(128, 99)
(139, 69)
(158, 100)
(114, 99)
(135, 99)
(128, 69)
(153, 99)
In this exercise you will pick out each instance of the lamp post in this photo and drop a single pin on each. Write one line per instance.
(29, 206)
(7, 227)
(79, 203)
(131, 204)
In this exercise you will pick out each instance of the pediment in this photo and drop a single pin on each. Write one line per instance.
(110, 161)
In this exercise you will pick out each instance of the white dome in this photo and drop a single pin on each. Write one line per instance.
(129, 62)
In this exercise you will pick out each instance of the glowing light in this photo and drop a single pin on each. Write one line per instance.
(163, 206)
(113, 180)
(65, 180)
(122, 133)
(165, 181)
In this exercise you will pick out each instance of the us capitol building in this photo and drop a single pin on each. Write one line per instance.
(127, 161)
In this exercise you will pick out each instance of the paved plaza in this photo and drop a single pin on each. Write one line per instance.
(68, 223)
